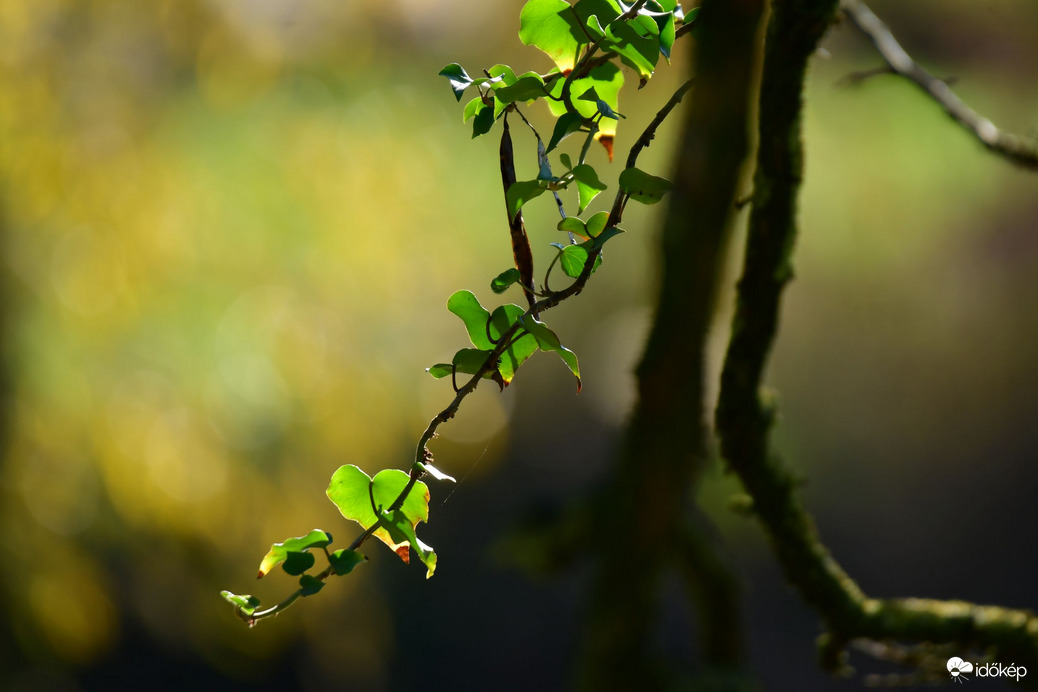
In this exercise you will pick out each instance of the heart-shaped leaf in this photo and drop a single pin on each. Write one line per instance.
(365, 500)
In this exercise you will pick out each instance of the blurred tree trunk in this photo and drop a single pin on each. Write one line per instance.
(646, 521)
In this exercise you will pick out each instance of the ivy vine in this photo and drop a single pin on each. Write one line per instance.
(589, 41)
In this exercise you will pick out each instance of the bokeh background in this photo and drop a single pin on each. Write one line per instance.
(228, 232)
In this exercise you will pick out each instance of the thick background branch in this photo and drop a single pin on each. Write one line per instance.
(744, 416)
(646, 506)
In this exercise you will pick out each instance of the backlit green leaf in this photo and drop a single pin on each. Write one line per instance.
(549, 26)
(588, 185)
(528, 86)
(465, 305)
(572, 260)
(502, 76)
(279, 551)
(246, 603)
(589, 95)
(597, 223)
(399, 526)
(353, 492)
(522, 348)
(440, 370)
(667, 35)
(637, 51)
(595, 27)
(606, 79)
(471, 108)
(572, 224)
(470, 360)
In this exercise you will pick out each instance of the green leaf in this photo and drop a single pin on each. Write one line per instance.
(470, 360)
(459, 79)
(520, 193)
(309, 585)
(522, 348)
(246, 603)
(668, 33)
(572, 260)
(436, 473)
(528, 86)
(279, 551)
(547, 340)
(567, 124)
(597, 223)
(440, 370)
(595, 27)
(549, 26)
(465, 305)
(471, 107)
(637, 51)
(607, 80)
(564, 158)
(502, 281)
(502, 76)
(402, 530)
(589, 95)
(642, 187)
(483, 121)
(588, 185)
(572, 224)
(296, 563)
(353, 492)
(645, 24)
(343, 561)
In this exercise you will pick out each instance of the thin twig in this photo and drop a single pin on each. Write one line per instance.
(1017, 149)
(505, 341)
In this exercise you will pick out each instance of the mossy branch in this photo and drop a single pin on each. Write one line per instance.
(744, 415)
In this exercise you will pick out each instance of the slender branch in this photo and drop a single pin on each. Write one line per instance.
(744, 417)
(505, 341)
(650, 132)
(553, 299)
(1017, 149)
